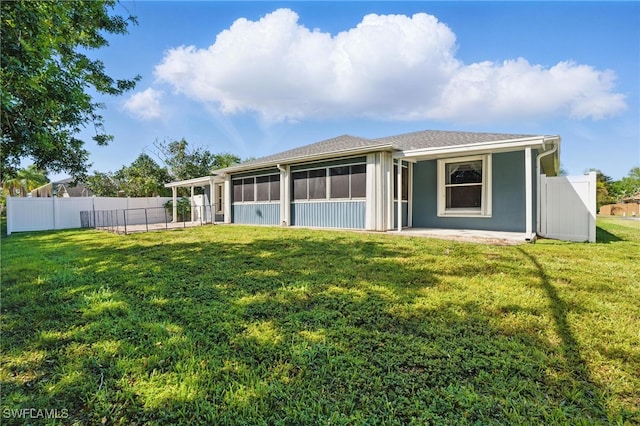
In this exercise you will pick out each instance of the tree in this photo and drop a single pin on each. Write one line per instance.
(143, 178)
(628, 186)
(47, 81)
(25, 181)
(102, 184)
(187, 163)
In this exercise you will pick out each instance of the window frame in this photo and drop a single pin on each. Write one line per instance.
(486, 194)
(328, 189)
(254, 178)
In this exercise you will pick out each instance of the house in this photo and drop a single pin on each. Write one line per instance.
(62, 188)
(629, 206)
(428, 179)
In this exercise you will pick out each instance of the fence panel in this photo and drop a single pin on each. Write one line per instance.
(29, 214)
(40, 214)
(568, 207)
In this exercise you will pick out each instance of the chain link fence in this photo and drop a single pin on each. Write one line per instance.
(126, 221)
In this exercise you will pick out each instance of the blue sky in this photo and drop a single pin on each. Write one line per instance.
(255, 78)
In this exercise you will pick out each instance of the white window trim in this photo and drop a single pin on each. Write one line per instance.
(486, 201)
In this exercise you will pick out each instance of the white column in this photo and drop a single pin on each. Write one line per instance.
(399, 209)
(192, 206)
(528, 184)
(174, 194)
(285, 196)
(212, 194)
(226, 200)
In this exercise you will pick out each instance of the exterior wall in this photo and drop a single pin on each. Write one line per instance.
(621, 209)
(508, 197)
(329, 214)
(256, 213)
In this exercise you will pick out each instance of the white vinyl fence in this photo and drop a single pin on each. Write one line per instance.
(568, 207)
(39, 214)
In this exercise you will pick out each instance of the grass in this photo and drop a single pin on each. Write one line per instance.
(255, 325)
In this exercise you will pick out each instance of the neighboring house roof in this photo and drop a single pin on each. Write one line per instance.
(60, 188)
(417, 143)
(632, 199)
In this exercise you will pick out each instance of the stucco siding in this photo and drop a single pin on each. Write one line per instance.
(508, 197)
(256, 213)
(331, 214)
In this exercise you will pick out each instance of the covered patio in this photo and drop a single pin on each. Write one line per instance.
(208, 206)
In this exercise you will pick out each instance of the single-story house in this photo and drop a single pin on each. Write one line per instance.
(62, 188)
(428, 179)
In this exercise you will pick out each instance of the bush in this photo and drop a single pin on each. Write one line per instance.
(183, 209)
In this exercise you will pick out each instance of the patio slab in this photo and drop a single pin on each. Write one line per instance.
(468, 235)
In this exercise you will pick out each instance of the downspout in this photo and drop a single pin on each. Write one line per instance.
(555, 142)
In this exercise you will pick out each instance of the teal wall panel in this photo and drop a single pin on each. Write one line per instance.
(256, 214)
(508, 209)
(333, 214)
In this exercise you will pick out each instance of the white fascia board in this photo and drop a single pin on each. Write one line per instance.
(484, 147)
(305, 159)
(204, 180)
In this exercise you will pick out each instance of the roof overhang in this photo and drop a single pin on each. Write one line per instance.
(474, 148)
(199, 181)
(303, 159)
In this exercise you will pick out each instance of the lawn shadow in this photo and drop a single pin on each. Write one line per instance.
(575, 363)
(263, 330)
(605, 237)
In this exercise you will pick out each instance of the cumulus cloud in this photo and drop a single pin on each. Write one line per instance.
(388, 66)
(145, 104)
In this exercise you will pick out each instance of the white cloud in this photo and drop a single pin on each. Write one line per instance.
(388, 66)
(145, 104)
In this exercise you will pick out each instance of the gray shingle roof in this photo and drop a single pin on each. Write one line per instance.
(440, 139)
(405, 142)
(327, 147)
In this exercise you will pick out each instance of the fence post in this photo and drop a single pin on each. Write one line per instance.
(53, 209)
(146, 221)
(125, 221)
(166, 225)
(9, 214)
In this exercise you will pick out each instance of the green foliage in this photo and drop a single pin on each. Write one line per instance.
(255, 325)
(183, 208)
(25, 181)
(143, 178)
(187, 163)
(102, 184)
(47, 81)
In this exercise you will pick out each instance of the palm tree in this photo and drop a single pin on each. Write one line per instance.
(25, 180)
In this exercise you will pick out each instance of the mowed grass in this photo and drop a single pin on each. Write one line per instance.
(257, 325)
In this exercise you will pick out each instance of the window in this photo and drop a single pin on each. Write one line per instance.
(260, 188)
(464, 186)
(268, 188)
(338, 182)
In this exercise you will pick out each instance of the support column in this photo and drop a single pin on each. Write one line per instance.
(227, 199)
(528, 184)
(285, 195)
(212, 194)
(193, 210)
(174, 194)
(399, 209)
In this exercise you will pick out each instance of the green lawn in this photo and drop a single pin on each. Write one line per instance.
(256, 325)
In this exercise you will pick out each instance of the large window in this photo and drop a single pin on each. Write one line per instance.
(259, 188)
(464, 186)
(338, 182)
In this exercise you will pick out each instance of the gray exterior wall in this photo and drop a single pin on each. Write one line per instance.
(508, 198)
(405, 214)
(256, 213)
(329, 214)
